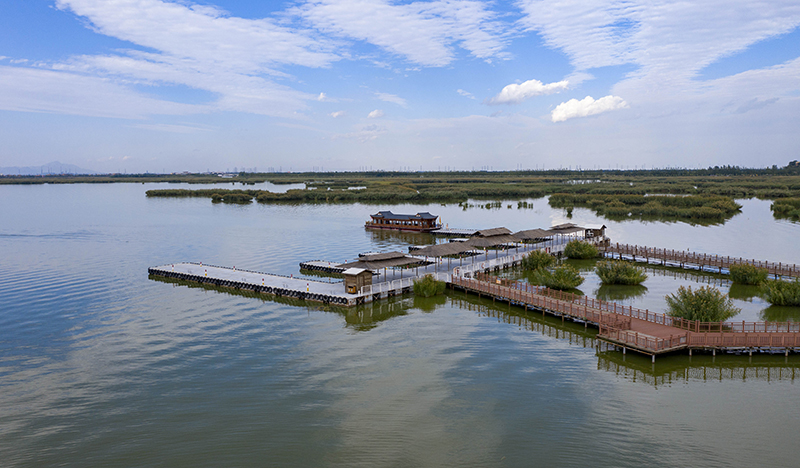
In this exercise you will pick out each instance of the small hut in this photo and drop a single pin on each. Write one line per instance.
(356, 278)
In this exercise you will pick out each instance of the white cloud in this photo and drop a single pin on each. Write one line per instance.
(669, 41)
(34, 90)
(586, 107)
(321, 97)
(203, 48)
(171, 128)
(377, 113)
(516, 93)
(423, 32)
(337, 114)
(465, 93)
(364, 134)
(391, 98)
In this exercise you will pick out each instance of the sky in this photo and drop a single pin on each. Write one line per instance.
(334, 85)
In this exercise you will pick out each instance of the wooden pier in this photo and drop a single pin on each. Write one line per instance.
(696, 260)
(323, 266)
(640, 330)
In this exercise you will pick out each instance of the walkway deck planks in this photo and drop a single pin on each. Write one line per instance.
(700, 260)
(644, 331)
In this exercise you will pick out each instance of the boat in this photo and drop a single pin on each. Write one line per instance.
(420, 222)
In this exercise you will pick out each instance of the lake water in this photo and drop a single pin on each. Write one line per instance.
(101, 366)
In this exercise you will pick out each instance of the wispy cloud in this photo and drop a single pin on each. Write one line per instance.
(172, 128)
(203, 48)
(423, 32)
(35, 90)
(586, 107)
(465, 93)
(392, 98)
(337, 114)
(364, 134)
(516, 93)
(376, 114)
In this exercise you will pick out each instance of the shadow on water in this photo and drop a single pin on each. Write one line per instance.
(743, 292)
(411, 238)
(680, 368)
(364, 317)
(619, 292)
(668, 369)
(775, 313)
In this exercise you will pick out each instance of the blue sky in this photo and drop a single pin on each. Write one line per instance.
(158, 85)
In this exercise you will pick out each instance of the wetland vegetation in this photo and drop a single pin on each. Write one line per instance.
(743, 273)
(537, 259)
(562, 277)
(782, 293)
(701, 196)
(704, 304)
(581, 250)
(620, 272)
(428, 286)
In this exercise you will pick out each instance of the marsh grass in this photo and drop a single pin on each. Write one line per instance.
(537, 259)
(743, 273)
(705, 304)
(617, 206)
(562, 277)
(781, 293)
(701, 196)
(788, 208)
(580, 250)
(619, 272)
(428, 286)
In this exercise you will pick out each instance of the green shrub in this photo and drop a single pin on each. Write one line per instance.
(744, 273)
(783, 293)
(580, 249)
(428, 286)
(562, 277)
(619, 272)
(537, 259)
(706, 304)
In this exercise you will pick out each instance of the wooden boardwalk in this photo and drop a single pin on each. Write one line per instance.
(641, 330)
(697, 260)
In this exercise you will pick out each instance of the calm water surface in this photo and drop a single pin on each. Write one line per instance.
(101, 366)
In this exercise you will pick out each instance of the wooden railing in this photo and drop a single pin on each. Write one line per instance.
(745, 340)
(646, 315)
(700, 259)
(639, 340)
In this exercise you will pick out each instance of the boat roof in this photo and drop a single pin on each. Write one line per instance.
(403, 217)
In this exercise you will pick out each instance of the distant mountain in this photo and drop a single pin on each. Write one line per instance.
(54, 167)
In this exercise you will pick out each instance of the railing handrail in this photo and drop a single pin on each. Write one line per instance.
(722, 261)
(647, 315)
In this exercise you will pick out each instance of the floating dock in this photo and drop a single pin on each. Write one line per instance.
(323, 266)
(447, 232)
(695, 260)
(639, 330)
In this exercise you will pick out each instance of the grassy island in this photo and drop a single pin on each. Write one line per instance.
(619, 272)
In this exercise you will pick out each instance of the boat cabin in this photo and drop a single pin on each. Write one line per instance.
(420, 222)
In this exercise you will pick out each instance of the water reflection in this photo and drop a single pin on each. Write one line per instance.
(619, 292)
(368, 316)
(668, 370)
(429, 304)
(775, 313)
(364, 317)
(743, 292)
(411, 238)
